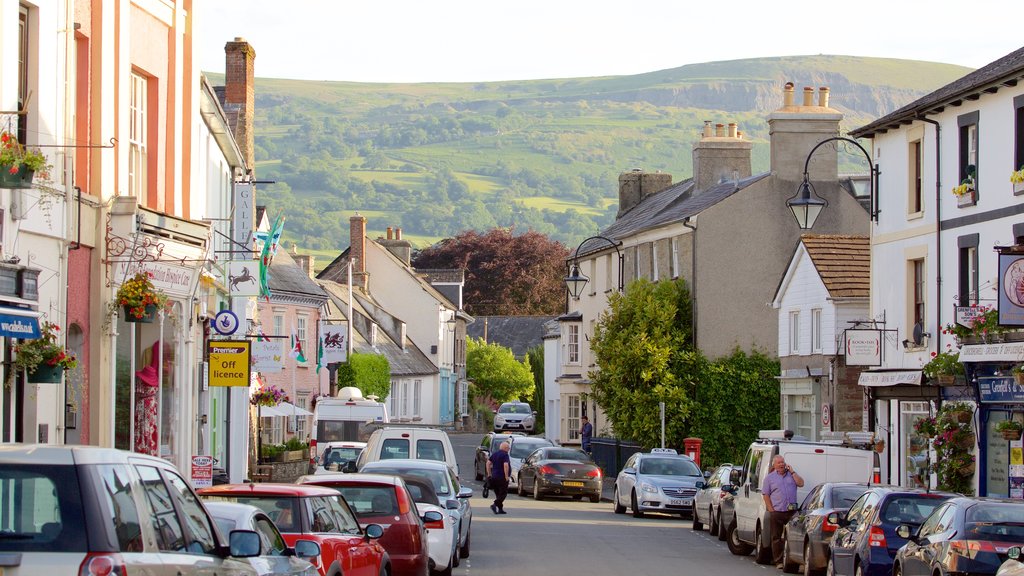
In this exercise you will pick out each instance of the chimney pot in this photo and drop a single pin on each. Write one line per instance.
(823, 97)
(398, 233)
(390, 232)
(787, 94)
(732, 130)
(808, 96)
(720, 130)
(708, 132)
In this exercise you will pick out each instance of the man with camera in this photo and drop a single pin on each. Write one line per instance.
(779, 494)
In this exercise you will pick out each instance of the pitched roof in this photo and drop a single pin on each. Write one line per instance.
(1006, 71)
(843, 263)
(286, 276)
(517, 333)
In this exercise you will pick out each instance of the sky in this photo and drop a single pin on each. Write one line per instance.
(488, 40)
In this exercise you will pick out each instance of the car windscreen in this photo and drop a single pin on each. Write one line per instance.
(524, 449)
(909, 508)
(340, 455)
(515, 409)
(370, 500)
(669, 467)
(567, 454)
(43, 511)
(283, 510)
(845, 496)
(437, 478)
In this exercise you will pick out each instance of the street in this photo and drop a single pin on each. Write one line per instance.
(562, 536)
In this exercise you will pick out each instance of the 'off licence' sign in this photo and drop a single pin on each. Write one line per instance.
(229, 362)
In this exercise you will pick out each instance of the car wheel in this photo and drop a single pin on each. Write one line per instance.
(697, 525)
(732, 540)
(857, 571)
(536, 490)
(633, 504)
(808, 570)
(455, 556)
(712, 522)
(897, 570)
(762, 553)
(595, 498)
(788, 566)
(519, 487)
(446, 572)
(464, 551)
(722, 533)
(619, 508)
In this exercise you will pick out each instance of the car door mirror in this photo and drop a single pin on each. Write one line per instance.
(707, 474)
(631, 471)
(350, 467)
(465, 492)
(451, 504)
(1013, 553)
(307, 549)
(244, 543)
(374, 531)
(904, 531)
(699, 485)
(432, 516)
(734, 477)
(729, 488)
(837, 518)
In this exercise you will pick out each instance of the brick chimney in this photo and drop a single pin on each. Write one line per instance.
(402, 249)
(636, 185)
(240, 96)
(721, 157)
(795, 129)
(305, 261)
(357, 250)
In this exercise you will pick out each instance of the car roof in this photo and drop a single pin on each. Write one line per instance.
(411, 463)
(530, 439)
(71, 455)
(266, 489)
(360, 478)
(233, 511)
(345, 444)
(645, 455)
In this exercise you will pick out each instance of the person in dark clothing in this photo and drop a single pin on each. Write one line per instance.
(499, 468)
(586, 432)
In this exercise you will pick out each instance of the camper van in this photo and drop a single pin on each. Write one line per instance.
(348, 416)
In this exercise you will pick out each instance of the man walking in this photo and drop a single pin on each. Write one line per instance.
(499, 468)
(780, 497)
(586, 432)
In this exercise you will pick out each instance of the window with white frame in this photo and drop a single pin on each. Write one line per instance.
(573, 344)
(23, 71)
(300, 333)
(816, 330)
(300, 424)
(417, 390)
(636, 263)
(572, 416)
(919, 287)
(405, 398)
(915, 200)
(967, 289)
(608, 282)
(463, 398)
(592, 265)
(673, 259)
(279, 328)
(654, 262)
(137, 134)
(794, 332)
(393, 398)
(968, 150)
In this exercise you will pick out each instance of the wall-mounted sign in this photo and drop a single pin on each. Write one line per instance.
(1000, 389)
(225, 323)
(965, 315)
(1011, 290)
(863, 347)
(266, 356)
(229, 362)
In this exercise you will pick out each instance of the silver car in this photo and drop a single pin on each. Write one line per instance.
(707, 503)
(520, 447)
(658, 481)
(276, 558)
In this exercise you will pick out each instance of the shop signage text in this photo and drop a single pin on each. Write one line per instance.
(1006, 352)
(863, 347)
(202, 471)
(229, 362)
(1011, 290)
(1000, 389)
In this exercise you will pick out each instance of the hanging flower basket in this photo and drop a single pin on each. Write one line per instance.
(44, 358)
(16, 176)
(962, 417)
(1011, 435)
(946, 379)
(148, 314)
(965, 441)
(18, 164)
(139, 299)
(45, 374)
(967, 470)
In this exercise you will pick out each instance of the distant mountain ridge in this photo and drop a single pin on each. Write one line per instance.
(439, 158)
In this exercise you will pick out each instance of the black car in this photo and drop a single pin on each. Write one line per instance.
(806, 536)
(962, 536)
(489, 445)
(866, 539)
(555, 470)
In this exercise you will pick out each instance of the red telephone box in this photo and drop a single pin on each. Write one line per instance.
(692, 448)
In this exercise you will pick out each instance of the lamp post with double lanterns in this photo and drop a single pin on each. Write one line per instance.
(576, 280)
(806, 204)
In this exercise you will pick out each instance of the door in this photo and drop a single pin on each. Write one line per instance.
(918, 556)
(797, 527)
(845, 541)
(750, 503)
(626, 481)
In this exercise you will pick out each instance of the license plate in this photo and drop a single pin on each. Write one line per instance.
(572, 484)
(677, 502)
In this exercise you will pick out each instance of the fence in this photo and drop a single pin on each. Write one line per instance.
(611, 453)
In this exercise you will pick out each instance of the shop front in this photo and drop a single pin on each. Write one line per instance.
(895, 401)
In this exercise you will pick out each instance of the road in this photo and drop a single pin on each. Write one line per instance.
(562, 536)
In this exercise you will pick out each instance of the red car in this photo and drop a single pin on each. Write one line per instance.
(319, 514)
(385, 500)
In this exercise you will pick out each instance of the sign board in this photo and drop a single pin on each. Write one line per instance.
(242, 278)
(1011, 290)
(229, 362)
(334, 339)
(889, 378)
(1000, 390)
(18, 326)
(242, 215)
(965, 315)
(266, 356)
(826, 415)
(1005, 352)
(863, 347)
(225, 323)
(202, 471)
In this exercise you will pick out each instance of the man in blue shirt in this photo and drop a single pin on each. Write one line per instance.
(499, 468)
(586, 432)
(779, 492)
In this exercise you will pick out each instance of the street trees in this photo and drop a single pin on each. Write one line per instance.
(644, 353)
(496, 373)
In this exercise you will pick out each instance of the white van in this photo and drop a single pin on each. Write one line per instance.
(418, 443)
(348, 417)
(851, 460)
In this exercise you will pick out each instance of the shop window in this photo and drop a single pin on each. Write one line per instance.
(915, 447)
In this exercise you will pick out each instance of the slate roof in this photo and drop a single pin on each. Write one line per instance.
(285, 276)
(446, 275)
(518, 333)
(843, 263)
(1006, 71)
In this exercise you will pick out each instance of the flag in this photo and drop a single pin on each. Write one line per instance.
(267, 255)
(297, 347)
(319, 352)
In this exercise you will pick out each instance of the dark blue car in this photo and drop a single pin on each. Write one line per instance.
(866, 542)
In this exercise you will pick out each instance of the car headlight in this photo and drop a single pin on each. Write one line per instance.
(646, 487)
(499, 419)
(528, 419)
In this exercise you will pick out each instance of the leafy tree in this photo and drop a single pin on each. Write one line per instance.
(371, 373)
(506, 274)
(535, 358)
(496, 372)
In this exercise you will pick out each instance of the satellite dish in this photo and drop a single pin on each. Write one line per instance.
(918, 334)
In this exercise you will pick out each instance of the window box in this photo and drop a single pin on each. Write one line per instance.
(968, 198)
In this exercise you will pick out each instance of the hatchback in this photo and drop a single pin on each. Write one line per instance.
(560, 471)
(807, 534)
(276, 557)
(489, 445)
(514, 416)
(318, 514)
(707, 502)
(442, 537)
(91, 511)
(519, 448)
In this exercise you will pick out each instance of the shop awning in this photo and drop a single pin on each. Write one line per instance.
(283, 409)
(880, 378)
(19, 323)
(1004, 352)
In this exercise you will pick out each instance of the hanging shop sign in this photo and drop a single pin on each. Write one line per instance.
(334, 343)
(229, 362)
(242, 278)
(1011, 290)
(266, 356)
(225, 323)
(863, 347)
(999, 390)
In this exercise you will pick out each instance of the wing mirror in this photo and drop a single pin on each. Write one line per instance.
(244, 544)
(465, 492)
(432, 516)
(307, 549)
(374, 531)
(1014, 553)
(699, 485)
(906, 532)
(629, 471)
(729, 488)
(350, 467)
(837, 518)
(451, 504)
(734, 477)
(707, 473)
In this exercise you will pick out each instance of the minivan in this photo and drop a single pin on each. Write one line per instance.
(422, 443)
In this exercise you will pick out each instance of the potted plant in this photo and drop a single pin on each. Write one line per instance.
(139, 298)
(268, 395)
(44, 358)
(959, 411)
(18, 164)
(926, 427)
(1010, 429)
(964, 191)
(944, 367)
(954, 443)
(1017, 179)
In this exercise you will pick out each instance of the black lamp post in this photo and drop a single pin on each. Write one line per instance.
(806, 204)
(576, 280)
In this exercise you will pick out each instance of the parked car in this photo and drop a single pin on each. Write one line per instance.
(554, 470)
(807, 534)
(657, 481)
(816, 462)
(454, 497)
(519, 448)
(318, 514)
(1013, 565)
(866, 541)
(489, 445)
(385, 500)
(707, 502)
(442, 535)
(88, 510)
(961, 536)
(276, 557)
(400, 442)
(516, 416)
(337, 457)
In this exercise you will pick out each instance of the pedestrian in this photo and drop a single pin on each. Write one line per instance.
(586, 432)
(499, 468)
(779, 494)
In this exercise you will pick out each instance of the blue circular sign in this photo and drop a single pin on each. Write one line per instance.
(225, 323)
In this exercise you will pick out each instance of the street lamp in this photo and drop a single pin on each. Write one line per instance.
(576, 280)
(806, 204)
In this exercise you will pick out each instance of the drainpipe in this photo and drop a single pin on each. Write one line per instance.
(938, 228)
(693, 278)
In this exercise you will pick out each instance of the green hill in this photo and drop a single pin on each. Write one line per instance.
(439, 158)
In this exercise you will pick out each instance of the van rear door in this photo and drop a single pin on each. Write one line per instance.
(817, 463)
